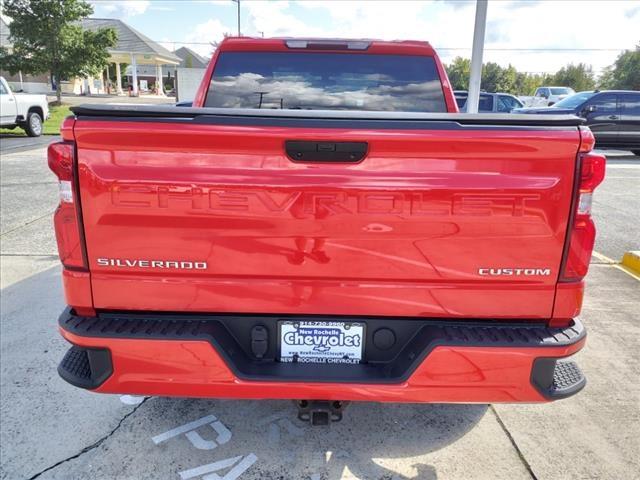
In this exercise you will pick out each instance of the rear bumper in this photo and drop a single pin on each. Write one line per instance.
(211, 356)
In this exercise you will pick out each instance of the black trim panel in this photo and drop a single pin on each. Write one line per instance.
(323, 118)
(230, 336)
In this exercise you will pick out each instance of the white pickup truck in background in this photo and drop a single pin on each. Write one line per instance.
(22, 110)
(547, 96)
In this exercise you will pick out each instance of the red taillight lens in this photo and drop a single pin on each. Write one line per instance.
(582, 234)
(65, 219)
(591, 171)
(60, 157)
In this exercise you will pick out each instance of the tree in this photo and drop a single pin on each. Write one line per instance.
(495, 78)
(527, 83)
(579, 77)
(47, 37)
(624, 74)
(458, 72)
(498, 79)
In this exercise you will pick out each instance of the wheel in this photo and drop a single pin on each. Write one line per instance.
(33, 125)
(636, 152)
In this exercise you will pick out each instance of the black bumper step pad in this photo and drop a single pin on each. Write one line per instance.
(86, 367)
(230, 335)
(567, 377)
(168, 326)
(557, 378)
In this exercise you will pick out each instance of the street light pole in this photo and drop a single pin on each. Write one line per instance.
(475, 76)
(238, 2)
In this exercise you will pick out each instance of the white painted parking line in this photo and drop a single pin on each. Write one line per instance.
(210, 467)
(238, 464)
(183, 429)
(224, 435)
(239, 468)
(603, 258)
(609, 262)
(131, 399)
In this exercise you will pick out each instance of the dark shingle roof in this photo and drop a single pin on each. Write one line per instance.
(129, 39)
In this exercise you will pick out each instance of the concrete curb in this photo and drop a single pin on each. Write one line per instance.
(631, 260)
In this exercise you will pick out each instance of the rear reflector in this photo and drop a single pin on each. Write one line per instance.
(65, 219)
(582, 233)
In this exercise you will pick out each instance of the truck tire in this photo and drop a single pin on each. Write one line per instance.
(33, 125)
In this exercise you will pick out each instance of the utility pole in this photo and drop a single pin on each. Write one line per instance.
(262, 94)
(238, 3)
(475, 76)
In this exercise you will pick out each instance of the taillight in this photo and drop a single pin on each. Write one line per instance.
(66, 217)
(582, 233)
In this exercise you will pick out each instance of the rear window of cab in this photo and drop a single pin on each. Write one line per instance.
(326, 81)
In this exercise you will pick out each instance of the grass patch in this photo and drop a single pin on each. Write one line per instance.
(51, 127)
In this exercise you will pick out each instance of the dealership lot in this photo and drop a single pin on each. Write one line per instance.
(50, 429)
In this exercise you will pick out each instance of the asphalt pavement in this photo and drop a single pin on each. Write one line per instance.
(616, 206)
(51, 430)
(20, 143)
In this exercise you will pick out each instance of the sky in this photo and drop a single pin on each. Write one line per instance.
(533, 35)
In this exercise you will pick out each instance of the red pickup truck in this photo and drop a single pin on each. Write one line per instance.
(323, 225)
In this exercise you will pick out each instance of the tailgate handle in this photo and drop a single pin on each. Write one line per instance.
(326, 151)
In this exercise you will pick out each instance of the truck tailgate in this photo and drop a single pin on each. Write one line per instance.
(205, 212)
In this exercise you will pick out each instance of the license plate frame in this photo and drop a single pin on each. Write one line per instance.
(332, 346)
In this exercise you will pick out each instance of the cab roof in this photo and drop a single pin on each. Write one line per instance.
(364, 46)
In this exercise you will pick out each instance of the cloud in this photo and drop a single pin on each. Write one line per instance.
(204, 35)
(122, 9)
(161, 8)
(388, 20)
(273, 19)
(446, 24)
(632, 12)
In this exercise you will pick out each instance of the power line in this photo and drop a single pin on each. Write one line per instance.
(539, 49)
(466, 48)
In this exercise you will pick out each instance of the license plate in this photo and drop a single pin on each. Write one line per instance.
(321, 342)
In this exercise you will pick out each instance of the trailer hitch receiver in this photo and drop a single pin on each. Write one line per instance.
(320, 412)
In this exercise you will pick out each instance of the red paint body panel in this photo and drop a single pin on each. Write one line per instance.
(77, 291)
(568, 301)
(404, 232)
(448, 374)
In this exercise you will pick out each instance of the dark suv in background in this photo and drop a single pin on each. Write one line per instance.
(612, 115)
